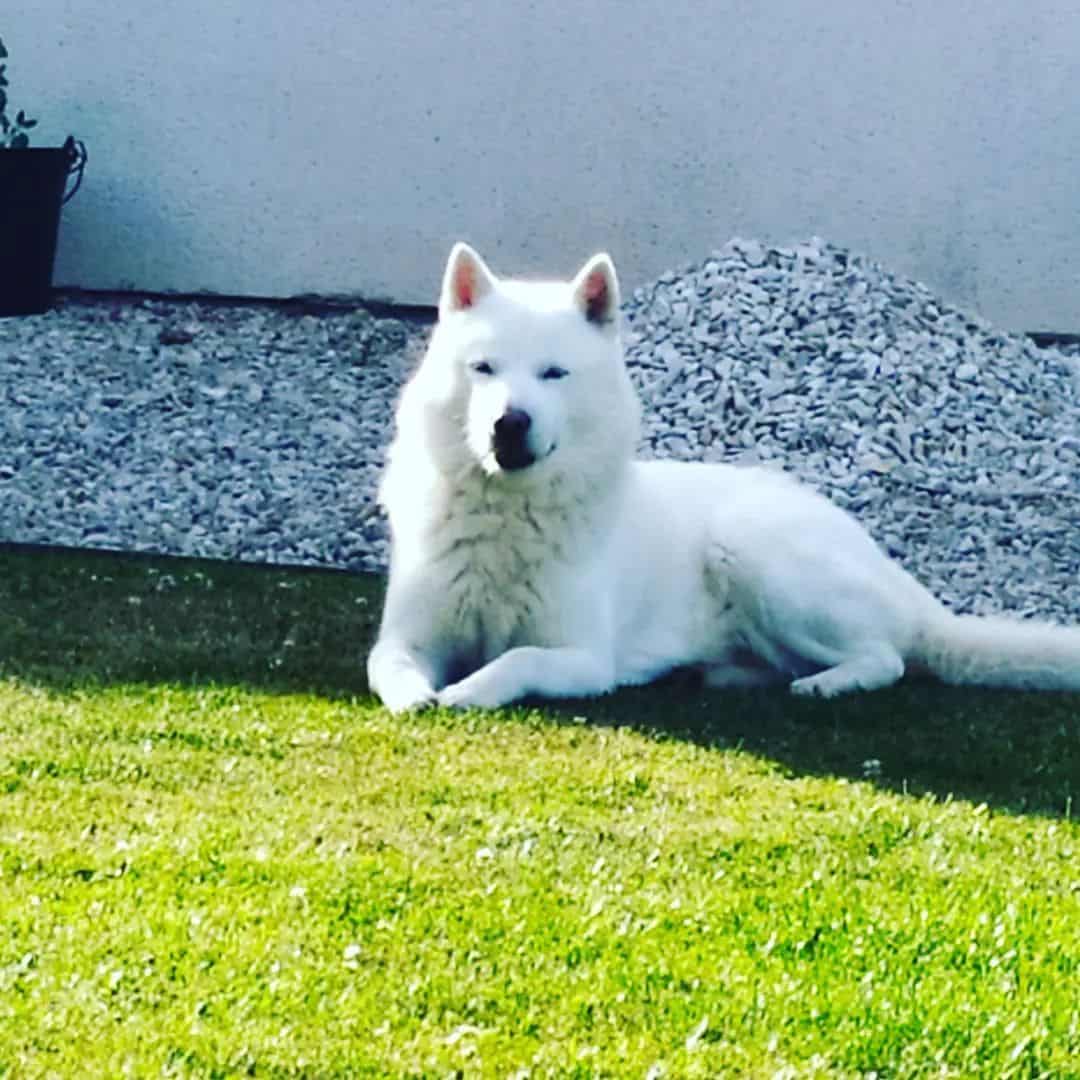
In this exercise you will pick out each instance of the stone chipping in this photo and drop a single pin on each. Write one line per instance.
(256, 431)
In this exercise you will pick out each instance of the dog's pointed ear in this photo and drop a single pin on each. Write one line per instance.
(466, 280)
(596, 292)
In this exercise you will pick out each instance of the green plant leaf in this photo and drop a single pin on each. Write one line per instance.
(3, 51)
(19, 141)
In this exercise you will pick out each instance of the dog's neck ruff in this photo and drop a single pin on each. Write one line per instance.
(471, 509)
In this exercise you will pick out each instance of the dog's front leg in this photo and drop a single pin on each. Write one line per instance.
(556, 672)
(403, 679)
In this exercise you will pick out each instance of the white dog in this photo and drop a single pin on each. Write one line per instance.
(531, 554)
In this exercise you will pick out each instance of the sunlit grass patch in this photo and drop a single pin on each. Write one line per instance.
(219, 856)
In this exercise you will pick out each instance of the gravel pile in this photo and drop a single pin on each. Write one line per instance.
(250, 432)
(256, 431)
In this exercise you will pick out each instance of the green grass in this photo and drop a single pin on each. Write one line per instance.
(220, 857)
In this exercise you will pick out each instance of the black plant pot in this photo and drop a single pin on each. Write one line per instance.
(32, 191)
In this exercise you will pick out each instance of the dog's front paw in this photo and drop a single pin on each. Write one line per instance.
(408, 693)
(478, 691)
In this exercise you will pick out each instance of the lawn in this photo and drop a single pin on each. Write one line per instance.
(220, 857)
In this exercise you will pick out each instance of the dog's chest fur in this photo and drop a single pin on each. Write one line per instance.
(507, 558)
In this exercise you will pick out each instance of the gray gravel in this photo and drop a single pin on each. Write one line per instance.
(238, 432)
(256, 431)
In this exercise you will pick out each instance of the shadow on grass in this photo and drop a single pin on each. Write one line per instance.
(1016, 752)
(71, 618)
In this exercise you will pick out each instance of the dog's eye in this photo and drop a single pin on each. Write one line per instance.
(554, 372)
(482, 367)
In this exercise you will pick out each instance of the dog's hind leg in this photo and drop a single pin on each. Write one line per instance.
(844, 637)
(874, 666)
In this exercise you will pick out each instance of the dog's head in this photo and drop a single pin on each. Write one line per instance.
(530, 371)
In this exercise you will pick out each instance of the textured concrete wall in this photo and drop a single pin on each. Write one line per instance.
(267, 148)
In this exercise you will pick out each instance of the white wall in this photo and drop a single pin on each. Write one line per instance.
(263, 147)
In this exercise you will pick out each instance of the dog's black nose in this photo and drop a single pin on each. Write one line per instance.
(513, 425)
(510, 442)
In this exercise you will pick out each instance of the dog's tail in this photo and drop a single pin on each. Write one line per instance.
(998, 651)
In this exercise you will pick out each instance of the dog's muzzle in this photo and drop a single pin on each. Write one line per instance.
(510, 440)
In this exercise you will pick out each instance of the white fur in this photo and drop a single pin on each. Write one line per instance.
(586, 569)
